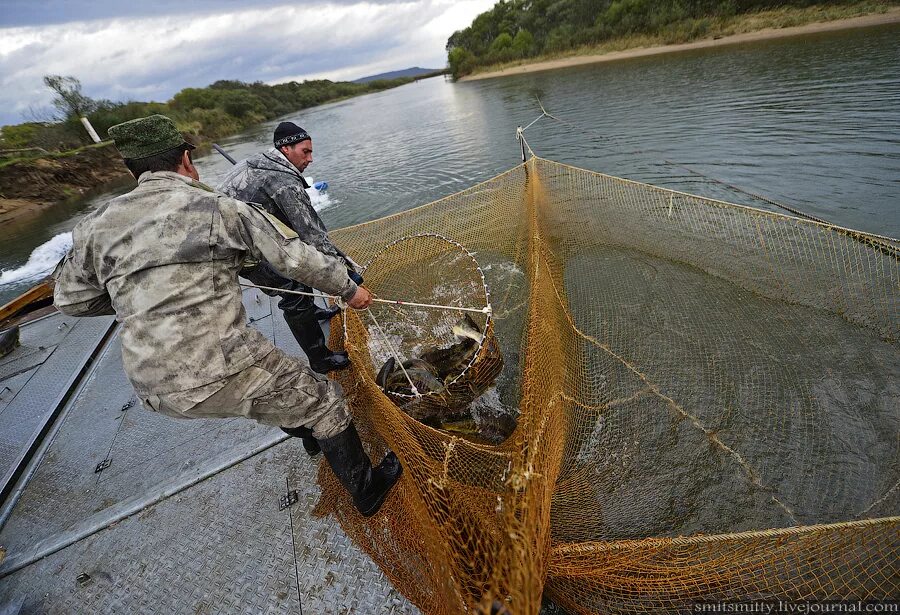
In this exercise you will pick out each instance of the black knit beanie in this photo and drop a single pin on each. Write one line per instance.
(288, 133)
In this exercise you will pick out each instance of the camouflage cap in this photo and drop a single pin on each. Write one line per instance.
(146, 136)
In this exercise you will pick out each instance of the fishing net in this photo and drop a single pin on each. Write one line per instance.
(706, 399)
(435, 352)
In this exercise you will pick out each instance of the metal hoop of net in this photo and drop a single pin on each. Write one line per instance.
(433, 352)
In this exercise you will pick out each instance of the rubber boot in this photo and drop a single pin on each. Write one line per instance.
(9, 340)
(369, 486)
(309, 335)
(323, 314)
(305, 434)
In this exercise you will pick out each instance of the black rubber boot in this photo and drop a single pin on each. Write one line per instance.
(305, 434)
(323, 314)
(309, 335)
(9, 340)
(369, 486)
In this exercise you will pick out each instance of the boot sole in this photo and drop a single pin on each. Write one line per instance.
(330, 369)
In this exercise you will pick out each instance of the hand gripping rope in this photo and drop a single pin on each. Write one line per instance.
(486, 310)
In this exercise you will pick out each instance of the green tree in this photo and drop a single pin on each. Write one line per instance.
(69, 100)
(21, 135)
(195, 98)
(523, 44)
(462, 62)
(240, 102)
(502, 42)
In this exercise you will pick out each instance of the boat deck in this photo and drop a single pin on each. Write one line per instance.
(123, 510)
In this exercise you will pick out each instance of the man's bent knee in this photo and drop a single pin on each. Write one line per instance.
(332, 422)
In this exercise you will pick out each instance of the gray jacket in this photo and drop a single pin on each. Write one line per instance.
(269, 179)
(165, 259)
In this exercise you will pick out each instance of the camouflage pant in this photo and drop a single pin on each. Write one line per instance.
(279, 390)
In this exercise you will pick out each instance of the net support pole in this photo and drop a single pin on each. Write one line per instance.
(521, 141)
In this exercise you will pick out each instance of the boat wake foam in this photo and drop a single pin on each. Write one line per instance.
(320, 198)
(41, 262)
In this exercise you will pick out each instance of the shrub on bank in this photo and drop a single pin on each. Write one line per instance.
(213, 112)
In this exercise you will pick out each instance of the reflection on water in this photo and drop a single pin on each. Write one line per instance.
(808, 121)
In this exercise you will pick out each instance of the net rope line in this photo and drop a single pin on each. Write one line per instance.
(544, 113)
(884, 244)
(596, 546)
(485, 310)
(883, 498)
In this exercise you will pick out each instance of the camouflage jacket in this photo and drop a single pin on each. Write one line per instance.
(269, 179)
(165, 259)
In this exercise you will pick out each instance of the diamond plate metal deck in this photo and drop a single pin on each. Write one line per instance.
(10, 387)
(72, 341)
(220, 546)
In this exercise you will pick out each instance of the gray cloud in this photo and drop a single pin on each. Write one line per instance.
(44, 12)
(153, 57)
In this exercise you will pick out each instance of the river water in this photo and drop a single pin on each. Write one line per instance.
(810, 122)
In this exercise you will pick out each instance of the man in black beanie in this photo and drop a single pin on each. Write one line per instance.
(273, 180)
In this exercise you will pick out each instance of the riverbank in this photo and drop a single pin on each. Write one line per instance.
(622, 49)
(33, 182)
(27, 186)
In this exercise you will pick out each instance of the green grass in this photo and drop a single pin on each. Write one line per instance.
(54, 155)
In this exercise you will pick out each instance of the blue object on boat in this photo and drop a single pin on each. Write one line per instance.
(321, 186)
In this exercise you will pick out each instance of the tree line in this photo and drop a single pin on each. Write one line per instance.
(519, 29)
(208, 113)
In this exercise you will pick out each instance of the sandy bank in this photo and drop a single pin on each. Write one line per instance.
(891, 16)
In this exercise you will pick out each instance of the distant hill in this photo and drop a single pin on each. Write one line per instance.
(415, 71)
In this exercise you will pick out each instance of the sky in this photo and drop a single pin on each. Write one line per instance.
(148, 51)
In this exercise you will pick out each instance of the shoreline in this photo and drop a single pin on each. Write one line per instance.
(878, 19)
(31, 186)
(11, 209)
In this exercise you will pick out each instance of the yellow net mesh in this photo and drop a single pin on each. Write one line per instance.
(707, 403)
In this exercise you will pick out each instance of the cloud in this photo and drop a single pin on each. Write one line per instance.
(43, 12)
(151, 57)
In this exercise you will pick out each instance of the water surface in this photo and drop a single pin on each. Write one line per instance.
(810, 122)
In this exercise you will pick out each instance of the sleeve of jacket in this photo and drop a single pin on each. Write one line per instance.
(294, 202)
(77, 292)
(263, 236)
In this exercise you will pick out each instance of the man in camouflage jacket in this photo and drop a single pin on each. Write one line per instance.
(164, 259)
(273, 180)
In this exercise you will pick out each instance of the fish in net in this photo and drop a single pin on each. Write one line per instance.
(435, 352)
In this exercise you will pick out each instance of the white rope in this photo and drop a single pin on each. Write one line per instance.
(395, 353)
(520, 134)
(485, 310)
(534, 121)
